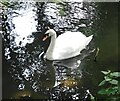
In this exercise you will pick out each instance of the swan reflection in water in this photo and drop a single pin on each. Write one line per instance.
(67, 70)
(68, 78)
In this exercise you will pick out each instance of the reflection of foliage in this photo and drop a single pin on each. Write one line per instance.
(72, 16)
(61, 11)
(111, 85)
(70, 82)
(57, 1)
(8, 4)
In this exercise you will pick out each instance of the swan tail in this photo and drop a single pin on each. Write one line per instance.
(88, 40)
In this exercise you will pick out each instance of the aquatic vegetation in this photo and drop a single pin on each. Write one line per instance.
(110, 86)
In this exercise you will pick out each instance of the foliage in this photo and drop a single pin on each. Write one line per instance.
(57, 1)
(111, 84)
(8, 4)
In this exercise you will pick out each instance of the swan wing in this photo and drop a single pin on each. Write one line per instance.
(70, 44)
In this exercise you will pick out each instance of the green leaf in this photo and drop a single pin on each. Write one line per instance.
(111, 90)
(102, 83)
(108, 91)
(114, 82)
(106, 72)
(116, 74)
(116, 88)
(102, 91)
(119, 87)
(107, 78)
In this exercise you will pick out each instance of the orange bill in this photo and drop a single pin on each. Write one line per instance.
(45, 37)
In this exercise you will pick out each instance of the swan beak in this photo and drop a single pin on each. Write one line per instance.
(45, 37)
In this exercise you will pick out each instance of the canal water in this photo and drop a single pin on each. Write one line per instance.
(27, 75)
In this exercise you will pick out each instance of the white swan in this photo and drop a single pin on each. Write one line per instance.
(66, 45)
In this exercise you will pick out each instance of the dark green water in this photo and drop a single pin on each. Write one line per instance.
(108, 37)
(25, 75)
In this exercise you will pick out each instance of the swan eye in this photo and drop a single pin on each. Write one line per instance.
(47, 34)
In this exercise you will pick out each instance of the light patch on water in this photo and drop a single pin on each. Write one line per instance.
(35, 87)
(26, 74)
(21, 86)
(24, 26)
(75, 97)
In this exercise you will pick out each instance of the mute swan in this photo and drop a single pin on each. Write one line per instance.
(66, 45)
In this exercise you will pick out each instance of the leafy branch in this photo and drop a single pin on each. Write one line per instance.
(112, 85)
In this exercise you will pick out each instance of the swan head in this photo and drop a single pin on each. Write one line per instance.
(49, 33)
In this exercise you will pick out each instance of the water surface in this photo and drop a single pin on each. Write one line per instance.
(30, 76)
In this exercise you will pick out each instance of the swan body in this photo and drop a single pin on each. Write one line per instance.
(66, 45)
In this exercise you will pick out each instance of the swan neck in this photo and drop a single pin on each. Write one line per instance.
(49, 53)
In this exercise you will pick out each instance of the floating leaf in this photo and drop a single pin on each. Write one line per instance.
(115, 82)
(102, 83)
